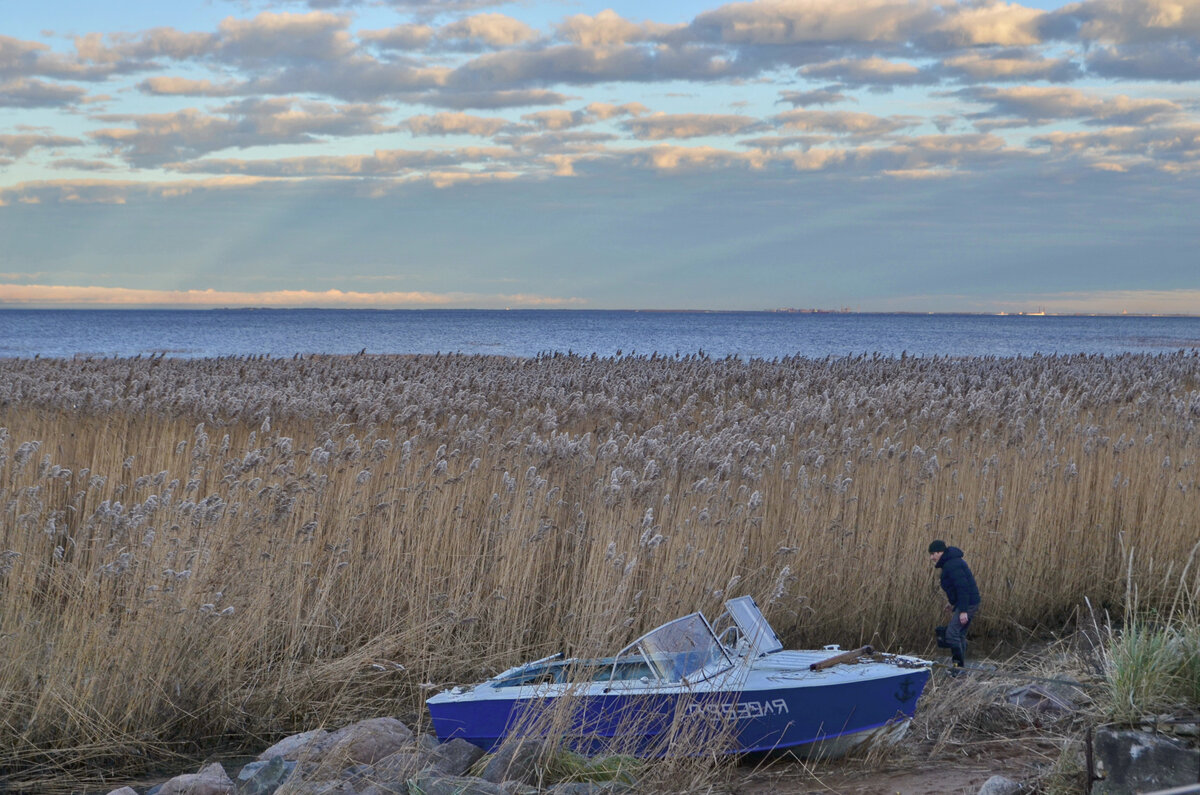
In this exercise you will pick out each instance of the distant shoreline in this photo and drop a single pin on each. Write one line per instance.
(784, 311)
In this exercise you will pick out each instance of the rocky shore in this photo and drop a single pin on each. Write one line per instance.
(382, 756)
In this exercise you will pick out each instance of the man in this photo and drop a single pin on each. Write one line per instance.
(962, 598)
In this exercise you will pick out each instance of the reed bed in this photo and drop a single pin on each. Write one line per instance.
(210, 551)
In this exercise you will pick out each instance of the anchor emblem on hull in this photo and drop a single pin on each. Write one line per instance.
(906, 691)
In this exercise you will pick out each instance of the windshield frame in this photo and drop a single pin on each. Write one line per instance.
(684, 650)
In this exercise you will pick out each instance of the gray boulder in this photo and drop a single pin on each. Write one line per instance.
(516, 788)
(402, 765)
(452, 785)
(1129, 760)
(515, 761)
(211, 780)
(455, 757)
(369, 740)
(124, 791)
(263, 778)
(293, 748)
(1000, 785)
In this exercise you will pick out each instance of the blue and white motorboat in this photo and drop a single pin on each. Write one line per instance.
(686, 681)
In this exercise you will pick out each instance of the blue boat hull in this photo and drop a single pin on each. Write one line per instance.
(649, 723)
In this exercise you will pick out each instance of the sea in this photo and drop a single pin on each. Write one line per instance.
(277, 333)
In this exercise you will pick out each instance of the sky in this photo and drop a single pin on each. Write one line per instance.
(874, 155)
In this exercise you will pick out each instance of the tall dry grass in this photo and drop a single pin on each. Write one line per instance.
(200, 551)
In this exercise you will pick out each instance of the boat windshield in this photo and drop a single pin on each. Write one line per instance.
(681, 648)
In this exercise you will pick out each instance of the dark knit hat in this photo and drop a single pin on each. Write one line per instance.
(937, 546)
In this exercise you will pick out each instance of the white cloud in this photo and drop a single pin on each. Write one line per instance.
(20, 144)
(493, 30)
(689, 125)
(844, 122)
(1040, 104)
(454, 124)
(868, 71)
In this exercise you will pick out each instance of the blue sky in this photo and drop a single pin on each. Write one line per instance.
(882, 155)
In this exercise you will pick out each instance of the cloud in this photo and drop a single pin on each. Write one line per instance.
(182, 86)
(384, 163)
(454, 124)
(803, 99)
(69, 164)
(117, 50)
(470, 33)
(399, 37)
(20, 58)
(988, 23)
(689, 125)
(1133, 39)
(869, 71)
(491, 30)
(25, 92)
(1009, 65)
(420, 8)
(19, 145)
(1127, 21)
(1171, 149)
(559, 119)
(861, 125)
(271, 37)
(691, 158)
(579, 65)
(64, 295)
(485, 100)
(604, 110)
(1177, 61)
(100, 191)
(607, 29)
(1042, 104)
(352, 79)
(161, 137)
(779, 22)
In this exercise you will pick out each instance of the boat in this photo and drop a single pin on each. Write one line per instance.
(687, 687)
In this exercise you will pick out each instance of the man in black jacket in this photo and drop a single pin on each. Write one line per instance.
(962, 598)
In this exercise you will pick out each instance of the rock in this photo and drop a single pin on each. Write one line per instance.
(1135, 761)
(292, 748)
(211, 780)
(1000, 785)
(1187, 729)
(263, 778)
(578, 788)
(403, 765)
(452, 785)
(516, 761)
(517, 788)
(455, 757)
(317, 788)
(369, 740)
(428, 742)
(124, 791)
(389, 788)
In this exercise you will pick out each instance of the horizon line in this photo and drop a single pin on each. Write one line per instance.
(778, 311)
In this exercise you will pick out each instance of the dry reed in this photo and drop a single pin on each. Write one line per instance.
(200, 551)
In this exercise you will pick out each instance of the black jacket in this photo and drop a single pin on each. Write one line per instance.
(957, 581)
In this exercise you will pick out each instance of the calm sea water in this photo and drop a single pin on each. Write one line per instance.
(193, 333)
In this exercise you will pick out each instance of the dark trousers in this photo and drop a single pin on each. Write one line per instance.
(953, 636)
